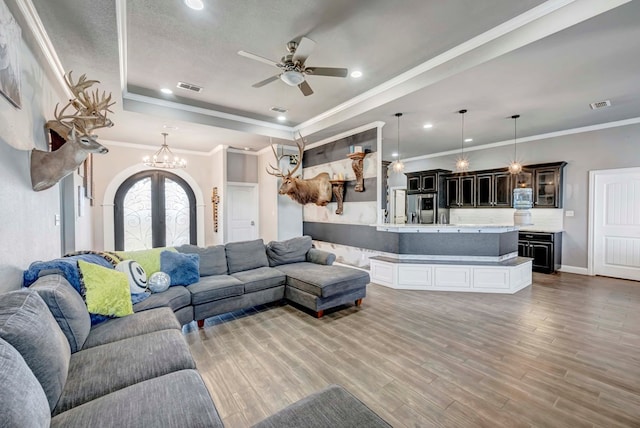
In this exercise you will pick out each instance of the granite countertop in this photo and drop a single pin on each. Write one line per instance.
(534, 228)
(445, 228)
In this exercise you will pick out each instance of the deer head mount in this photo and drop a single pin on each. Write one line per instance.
(76, 127)
(315, 190)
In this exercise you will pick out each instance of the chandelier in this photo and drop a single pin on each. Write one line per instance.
(515, 167)
(164, 158)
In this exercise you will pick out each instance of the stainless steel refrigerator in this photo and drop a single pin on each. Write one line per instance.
(422, 208)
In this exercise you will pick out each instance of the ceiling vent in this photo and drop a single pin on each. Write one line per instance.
(189, 87)
(600, 104)
(279, 109)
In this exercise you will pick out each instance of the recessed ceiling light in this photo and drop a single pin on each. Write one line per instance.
(195, 4)
(394, 154)
(427, 125)
(171, 127)
(355, 74)
(166, 91)
(247, 149)
(282, 118)
(468, 140)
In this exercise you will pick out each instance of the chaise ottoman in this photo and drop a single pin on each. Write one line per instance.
(319, 287)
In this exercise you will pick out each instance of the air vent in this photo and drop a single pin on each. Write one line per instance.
(189, 87)
(279, 109)
(600, 104)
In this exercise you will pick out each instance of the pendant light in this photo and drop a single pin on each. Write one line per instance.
(398, 165)
(164, 157)
(515, 167)
(462, 163)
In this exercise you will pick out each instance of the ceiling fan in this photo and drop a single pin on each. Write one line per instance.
(293, 68)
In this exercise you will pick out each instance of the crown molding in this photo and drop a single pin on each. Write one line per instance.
(148, 148)
(36, 28)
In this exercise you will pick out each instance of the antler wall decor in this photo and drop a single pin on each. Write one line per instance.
(76, 127)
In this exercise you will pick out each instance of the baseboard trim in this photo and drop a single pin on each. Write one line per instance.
(574, 269)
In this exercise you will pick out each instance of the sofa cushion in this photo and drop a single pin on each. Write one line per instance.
(320, 257)
(175, 298)
(246, 255)
(27, 325)
(24, 403)
(134, 325)
(178, 399)
(216, 287)
(183, 269)
(108, 290)
(101, 370)
(149, 259)
(290, 251)
(67, 307)
(332, 407)
(213, 260)
(321, 280)
(260, 279)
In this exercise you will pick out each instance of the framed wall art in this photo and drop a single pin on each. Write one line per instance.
(10, 36)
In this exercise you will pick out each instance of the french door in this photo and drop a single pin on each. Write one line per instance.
(154, 209)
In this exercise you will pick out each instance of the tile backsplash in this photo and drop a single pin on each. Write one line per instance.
(543, 218)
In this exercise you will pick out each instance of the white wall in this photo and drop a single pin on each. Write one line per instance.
(603, 149)
(27, 223)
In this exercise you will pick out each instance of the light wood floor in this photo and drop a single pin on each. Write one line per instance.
(563, 353)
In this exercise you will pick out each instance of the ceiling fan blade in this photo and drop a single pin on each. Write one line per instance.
(304, 49)
(257, 58)
(265, 81)
(305, 88)
(327, 71)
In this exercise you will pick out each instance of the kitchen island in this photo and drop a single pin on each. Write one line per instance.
(452, 257)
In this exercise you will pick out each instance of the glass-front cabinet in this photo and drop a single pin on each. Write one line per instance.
(493, 189)
(461, 191)
(547, 190)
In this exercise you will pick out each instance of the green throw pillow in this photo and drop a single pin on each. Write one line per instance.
(148, 259)
(107, 290)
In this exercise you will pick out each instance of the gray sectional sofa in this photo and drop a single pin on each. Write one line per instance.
(240, 275)
(58, 370)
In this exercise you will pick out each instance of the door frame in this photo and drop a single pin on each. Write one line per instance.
(591, 223)
(108, 234)
(227, 207)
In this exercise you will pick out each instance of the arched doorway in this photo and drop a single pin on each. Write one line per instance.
(154, 208)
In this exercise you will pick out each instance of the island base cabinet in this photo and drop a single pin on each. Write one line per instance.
(544, 248)
(508, 277)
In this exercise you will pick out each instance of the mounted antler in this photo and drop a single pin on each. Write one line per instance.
(316, 190)
(91, 109)
(277, 171)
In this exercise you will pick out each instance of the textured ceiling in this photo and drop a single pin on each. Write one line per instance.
(547, 78)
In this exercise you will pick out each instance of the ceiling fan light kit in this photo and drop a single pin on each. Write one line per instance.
(293, 66)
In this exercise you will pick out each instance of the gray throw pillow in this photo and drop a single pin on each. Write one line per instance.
(292, 250)
(67, 307)
(24, 403)
(213, 260)
(246, 255)
(27, 325)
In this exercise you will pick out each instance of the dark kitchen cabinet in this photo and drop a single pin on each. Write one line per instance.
(544, 248)
(493, 189)
(424, 181)
(547, 192)
(461, 191)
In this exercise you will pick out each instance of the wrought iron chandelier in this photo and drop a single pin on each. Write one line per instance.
(164, 158)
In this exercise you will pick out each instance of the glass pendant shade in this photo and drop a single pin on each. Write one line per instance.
(398, 165)
(515, 167)
(462, 163)
(164, 158)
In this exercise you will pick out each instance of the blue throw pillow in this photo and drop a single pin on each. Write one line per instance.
(184, 269)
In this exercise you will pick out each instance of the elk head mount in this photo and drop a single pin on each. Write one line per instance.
(91, 108)
(315, 190)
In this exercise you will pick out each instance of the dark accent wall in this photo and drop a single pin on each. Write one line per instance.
(446, 244)
(339, 149)
(369, 194)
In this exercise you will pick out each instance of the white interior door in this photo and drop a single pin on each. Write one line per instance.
(243, 212)
(616, 223)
